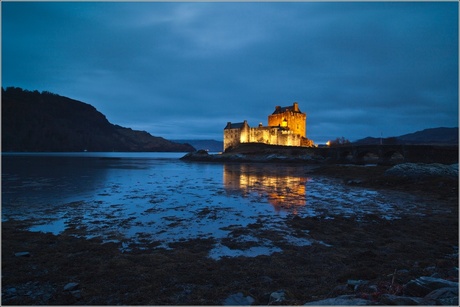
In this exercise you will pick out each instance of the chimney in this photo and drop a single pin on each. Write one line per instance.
(296, 107)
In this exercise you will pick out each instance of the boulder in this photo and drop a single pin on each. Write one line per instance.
(390, 299)
(355, 284)
(444, 296)
(239, 299)
(343, 300)
(420, 170)
(277, 297)
(424, 285)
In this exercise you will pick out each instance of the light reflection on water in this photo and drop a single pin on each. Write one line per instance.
(283, 187)
(156, 197)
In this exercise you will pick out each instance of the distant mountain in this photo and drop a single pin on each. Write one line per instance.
(210, 145)
(431, 136)
(41, 122)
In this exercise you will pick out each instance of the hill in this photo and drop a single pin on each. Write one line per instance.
(209, 145)
(47, 122)
(440, 135)
(431, 136)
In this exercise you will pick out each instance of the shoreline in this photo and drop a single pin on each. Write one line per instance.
(350, 154)
(370, 258)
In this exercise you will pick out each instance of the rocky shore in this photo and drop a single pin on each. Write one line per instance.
(262, 157)
(412, 260)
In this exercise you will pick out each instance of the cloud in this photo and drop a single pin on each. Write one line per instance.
(356, 69)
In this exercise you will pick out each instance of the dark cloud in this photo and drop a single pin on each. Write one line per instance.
(182, 70)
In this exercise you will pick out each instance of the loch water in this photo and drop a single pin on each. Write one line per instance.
(140, 197)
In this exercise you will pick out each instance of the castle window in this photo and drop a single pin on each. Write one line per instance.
(284, 123)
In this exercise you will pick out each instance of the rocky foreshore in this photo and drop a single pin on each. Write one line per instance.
(371, 260)
(204, 156)
(425, 290)
(423, 170)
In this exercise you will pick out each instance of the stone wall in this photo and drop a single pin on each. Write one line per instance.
(295, 121)
(264, 135)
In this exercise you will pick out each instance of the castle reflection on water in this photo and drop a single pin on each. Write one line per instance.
(284, 187)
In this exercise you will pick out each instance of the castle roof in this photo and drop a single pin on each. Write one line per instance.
(294, 108)
(235, 125)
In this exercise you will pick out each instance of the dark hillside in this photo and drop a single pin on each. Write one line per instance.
(210, 145)
(439, 135)
(431, 136)
(40, 122)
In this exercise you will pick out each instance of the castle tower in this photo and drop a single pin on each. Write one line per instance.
(289, 117)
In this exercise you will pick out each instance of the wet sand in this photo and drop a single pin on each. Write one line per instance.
(341, 248)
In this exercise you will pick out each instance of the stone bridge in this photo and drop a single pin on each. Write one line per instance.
(391, 154)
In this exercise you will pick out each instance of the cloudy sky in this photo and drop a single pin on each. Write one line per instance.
(183, 70)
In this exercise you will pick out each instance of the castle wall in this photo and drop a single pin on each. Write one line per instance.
(295, 121)
(266, 135)
(261, 135)
(231, 137)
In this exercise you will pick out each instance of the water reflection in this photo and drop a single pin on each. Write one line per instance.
(283, 186)
(34, 183)
(140, 200)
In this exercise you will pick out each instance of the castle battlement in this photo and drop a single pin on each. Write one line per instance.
(286, 126)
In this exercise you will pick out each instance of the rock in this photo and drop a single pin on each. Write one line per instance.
(424, 285)
(71, 286)
(402, 272)
(355, 284)
(453, 272)
(277, 297)
(448, 301)
(196, 155)
(354, 182)
(22, 254)
(343, 300)
(419, 170)
(444, 296)
(390, 299)
(340, 289)
(76, 294)
(266, 279)
(9, 293)
(239, 299)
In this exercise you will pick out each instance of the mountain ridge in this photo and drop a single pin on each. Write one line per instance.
(429, 136)
(205, 144)
(43, 121)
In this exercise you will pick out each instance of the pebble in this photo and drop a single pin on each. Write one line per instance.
(71, 286)
(76, 293)
(22, 254)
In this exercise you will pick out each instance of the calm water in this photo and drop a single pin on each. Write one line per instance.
(141, 197)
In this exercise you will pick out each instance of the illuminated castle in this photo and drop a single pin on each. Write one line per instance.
(286, 126)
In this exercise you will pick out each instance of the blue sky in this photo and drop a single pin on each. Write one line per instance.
(183, 70)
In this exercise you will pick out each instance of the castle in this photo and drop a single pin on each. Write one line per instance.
(286, 126)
